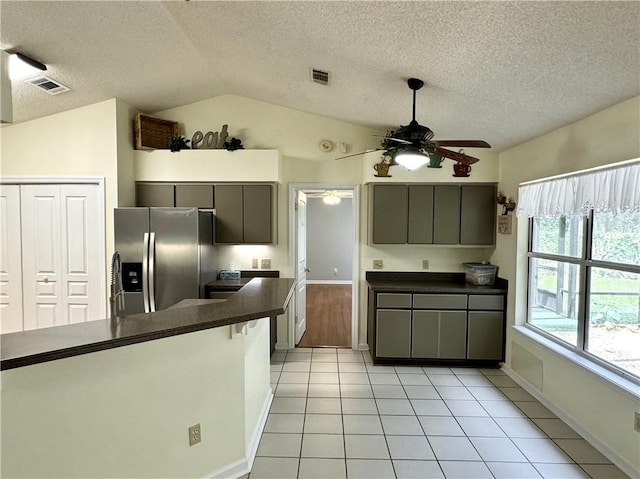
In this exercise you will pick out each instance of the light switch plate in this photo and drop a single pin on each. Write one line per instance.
(377, 264)
(425, 264)
(254, 263)
(265, 264)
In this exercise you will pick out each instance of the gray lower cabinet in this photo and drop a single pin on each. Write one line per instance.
(439, 326)
(439, 334)
(485, 335)
(486, 326)
(393, 333)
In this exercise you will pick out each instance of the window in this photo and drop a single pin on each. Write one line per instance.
(584, 263)
(584, 284)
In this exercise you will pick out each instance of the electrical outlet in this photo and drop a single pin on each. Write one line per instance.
(425, 264)
(636, 421)
(194, 435)
(254, 263)
(377, 264)
(335, 271)
(265, 264)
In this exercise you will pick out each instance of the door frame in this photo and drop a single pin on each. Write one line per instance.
(355, 267)
(99, 181)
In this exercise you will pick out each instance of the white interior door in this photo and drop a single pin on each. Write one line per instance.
(62, 261)
(301, 258)
(41, 256)
(82, 256)
(10, 260)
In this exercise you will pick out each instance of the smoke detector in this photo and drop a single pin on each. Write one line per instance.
(52, 87)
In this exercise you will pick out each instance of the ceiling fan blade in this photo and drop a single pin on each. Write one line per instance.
(400, 140)
(466, 143)
(356, 154)
(461, 157)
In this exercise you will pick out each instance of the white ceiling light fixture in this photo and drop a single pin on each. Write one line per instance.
(21, 66)
(331, 198)
(411, 158)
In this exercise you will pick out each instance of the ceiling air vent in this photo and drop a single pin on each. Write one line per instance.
(52, 87)
(320, 76)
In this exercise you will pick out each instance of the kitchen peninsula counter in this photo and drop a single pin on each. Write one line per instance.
(259, 298)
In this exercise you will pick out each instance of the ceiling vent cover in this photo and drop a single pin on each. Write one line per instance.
(52, 87)
(320, 76)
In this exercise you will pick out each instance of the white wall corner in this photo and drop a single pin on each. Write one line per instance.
(605, 450)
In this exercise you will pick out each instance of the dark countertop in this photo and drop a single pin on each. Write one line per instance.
(429, 283)
(226, 284)
(259, 298)
(236, 284)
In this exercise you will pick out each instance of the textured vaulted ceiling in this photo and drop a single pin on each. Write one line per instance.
(504, 72)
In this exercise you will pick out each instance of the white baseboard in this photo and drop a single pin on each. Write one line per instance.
(363, 347)
(605, 450)
(328, 281)
(282, 346)
(257, 431)
(243, 466)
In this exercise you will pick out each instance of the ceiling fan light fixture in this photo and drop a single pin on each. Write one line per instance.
(22, 66)
(411, 158)
(332, 198)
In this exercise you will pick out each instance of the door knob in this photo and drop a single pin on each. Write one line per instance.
(46, 280)
(306, 270)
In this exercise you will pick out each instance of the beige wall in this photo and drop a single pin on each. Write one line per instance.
(79, 143)
(125, 412)
(607, 137)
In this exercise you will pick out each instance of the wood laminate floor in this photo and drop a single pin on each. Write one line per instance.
(328, 316)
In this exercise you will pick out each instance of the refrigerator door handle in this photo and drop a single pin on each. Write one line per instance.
(145, 273)
(152, 272)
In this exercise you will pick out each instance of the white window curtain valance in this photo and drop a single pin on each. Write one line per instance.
(612, 189)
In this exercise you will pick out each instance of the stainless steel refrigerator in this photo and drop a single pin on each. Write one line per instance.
(167, 255)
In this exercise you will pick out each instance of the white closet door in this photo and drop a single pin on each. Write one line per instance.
(41, 258)
(82, 257)
(10, 260)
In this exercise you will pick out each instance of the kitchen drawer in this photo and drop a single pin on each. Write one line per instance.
(440, 301)
(493, 302)
(394, 300)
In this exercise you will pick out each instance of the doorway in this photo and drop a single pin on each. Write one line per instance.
(323, 239)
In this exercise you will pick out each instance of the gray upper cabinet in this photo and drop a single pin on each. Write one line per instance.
(389, 214)
(149, 194)
(194, 196)
(229, 216)
(420, 227)
(441, 214)
(446, 214)
(243, 213)
(478, 214)
(256, 213)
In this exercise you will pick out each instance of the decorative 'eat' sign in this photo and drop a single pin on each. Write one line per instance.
(209, 141)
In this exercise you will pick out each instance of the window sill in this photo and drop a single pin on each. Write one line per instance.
(616, 381)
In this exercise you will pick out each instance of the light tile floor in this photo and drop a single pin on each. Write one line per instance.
(336, 415)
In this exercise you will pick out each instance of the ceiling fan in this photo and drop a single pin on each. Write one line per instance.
(412, 145)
